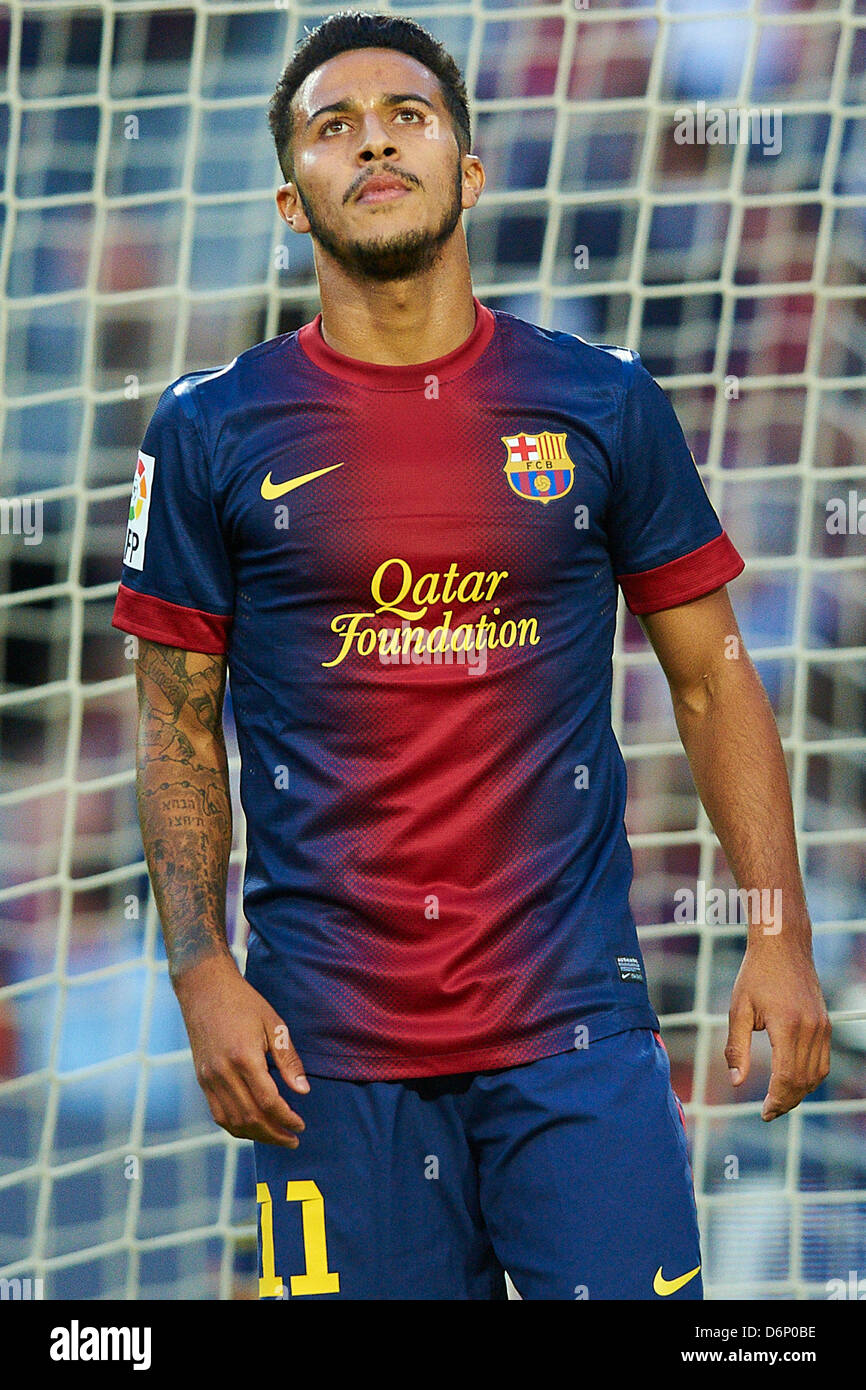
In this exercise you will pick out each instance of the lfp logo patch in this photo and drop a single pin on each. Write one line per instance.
(538, 466)
(139, 511)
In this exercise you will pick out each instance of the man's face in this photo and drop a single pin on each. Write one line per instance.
(378, 177)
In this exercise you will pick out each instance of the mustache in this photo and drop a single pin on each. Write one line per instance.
(367, 174)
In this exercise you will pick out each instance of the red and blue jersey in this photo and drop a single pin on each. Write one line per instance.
(413, 571)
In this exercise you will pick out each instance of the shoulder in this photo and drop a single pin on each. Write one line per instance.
(598, 364)
(199, 394)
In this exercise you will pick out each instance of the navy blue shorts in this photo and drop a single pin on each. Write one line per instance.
(571, 1173)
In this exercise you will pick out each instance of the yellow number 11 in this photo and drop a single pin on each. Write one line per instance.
(317, 1277)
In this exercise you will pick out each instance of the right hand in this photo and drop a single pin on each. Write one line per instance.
(231, 1029)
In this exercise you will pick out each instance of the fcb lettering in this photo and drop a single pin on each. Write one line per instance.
(538, 466)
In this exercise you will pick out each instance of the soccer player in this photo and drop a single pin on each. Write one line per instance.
(402, 529)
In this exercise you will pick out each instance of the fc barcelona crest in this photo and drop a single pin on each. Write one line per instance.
(538, 466)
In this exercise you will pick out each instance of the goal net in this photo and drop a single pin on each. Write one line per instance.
(687, 178)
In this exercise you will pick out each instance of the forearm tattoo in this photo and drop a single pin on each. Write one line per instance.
(184, 802)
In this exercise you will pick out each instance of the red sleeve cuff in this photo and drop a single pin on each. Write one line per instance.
(690, 576)
(170, 623)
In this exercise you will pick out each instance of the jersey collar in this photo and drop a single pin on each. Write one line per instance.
(413, 376)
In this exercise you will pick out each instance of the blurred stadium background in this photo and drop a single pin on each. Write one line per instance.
(140, 240)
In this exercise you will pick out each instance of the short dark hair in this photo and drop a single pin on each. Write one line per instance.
(349, 29)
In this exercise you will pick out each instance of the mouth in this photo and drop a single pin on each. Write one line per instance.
(382, 189)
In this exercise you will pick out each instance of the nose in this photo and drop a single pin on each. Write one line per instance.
(376, 142)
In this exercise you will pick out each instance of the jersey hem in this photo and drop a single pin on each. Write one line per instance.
(369, 1067)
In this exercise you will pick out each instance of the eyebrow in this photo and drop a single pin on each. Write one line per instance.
(390, 99)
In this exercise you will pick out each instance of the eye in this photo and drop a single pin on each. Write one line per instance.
(410, 111)
(329, 125)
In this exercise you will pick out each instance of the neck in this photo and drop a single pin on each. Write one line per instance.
(401, 321)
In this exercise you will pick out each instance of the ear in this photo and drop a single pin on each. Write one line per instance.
(290, 208)
(474, 180)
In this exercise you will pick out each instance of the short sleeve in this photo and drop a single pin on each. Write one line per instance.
(176, 584)
(666, 541)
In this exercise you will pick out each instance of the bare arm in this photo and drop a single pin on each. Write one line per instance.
(184, 803)
(184, 806)
(729, 734)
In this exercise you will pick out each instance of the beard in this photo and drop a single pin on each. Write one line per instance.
(399, 256)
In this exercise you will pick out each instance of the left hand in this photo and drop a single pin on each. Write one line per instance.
(777, 989)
